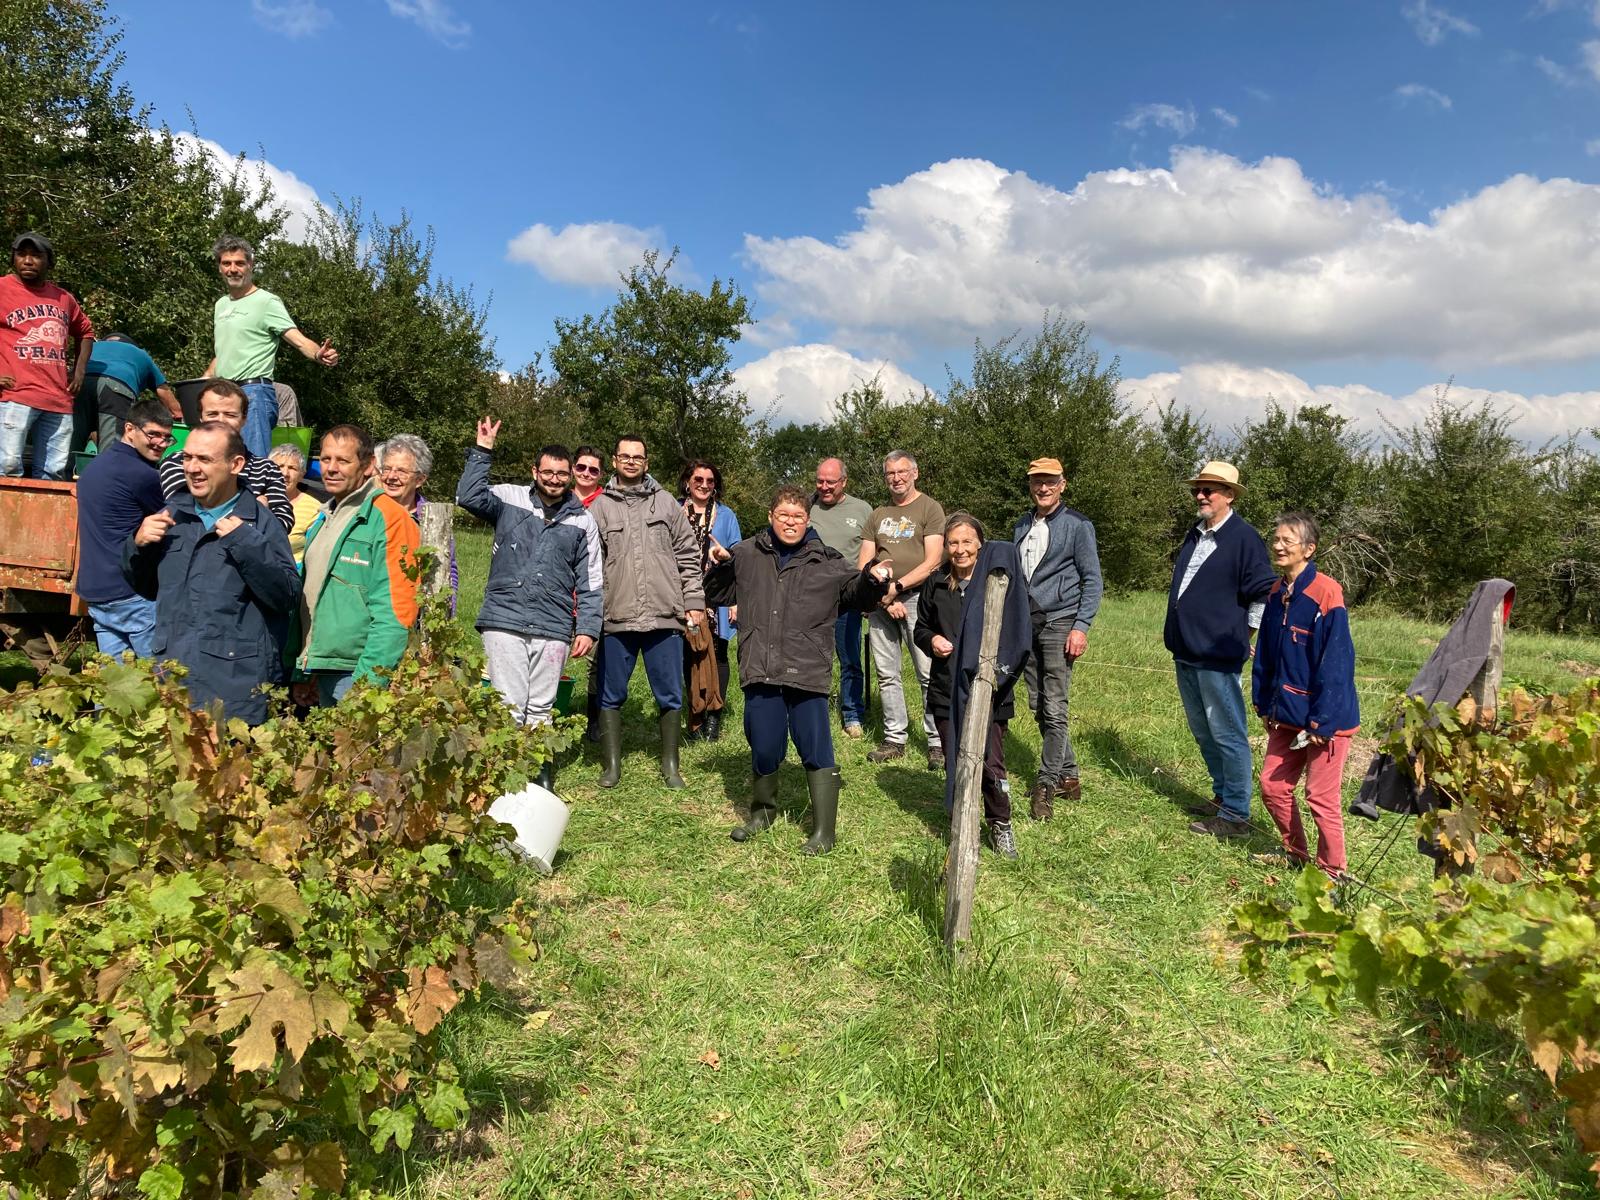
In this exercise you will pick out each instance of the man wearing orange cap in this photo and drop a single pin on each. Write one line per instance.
(1062, 566)
(1220, 583)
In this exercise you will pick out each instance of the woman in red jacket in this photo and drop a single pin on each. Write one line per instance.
(1304, 687)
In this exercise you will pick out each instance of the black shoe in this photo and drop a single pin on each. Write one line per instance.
(671, 729)
(763, 808)
(546, 778)
(694, 735)
(824, 788)
(887, 752)
(610, 747)
(711, 731)
(1001, 840)
(1222, 828)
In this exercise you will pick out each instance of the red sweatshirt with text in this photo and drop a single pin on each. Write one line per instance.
(36, 326)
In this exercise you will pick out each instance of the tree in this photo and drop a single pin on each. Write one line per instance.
(656, 363)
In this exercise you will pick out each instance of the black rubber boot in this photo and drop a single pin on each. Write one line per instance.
(711, 731)
(763, 808)
(671, 731)
(591, 710)
(610, 747)
(824, 788)
(546, 778)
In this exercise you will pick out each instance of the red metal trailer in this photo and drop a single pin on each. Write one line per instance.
(40, 611)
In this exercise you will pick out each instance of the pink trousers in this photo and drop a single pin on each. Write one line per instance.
(1323, 769)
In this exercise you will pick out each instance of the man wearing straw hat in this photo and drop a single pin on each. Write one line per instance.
(1219, 586)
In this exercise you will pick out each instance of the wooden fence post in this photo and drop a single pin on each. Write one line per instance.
(437, 521)
(961, 867)
(1485, 688)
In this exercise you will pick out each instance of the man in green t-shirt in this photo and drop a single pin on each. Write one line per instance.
(908, 532)
(841, 522)
(247, 324)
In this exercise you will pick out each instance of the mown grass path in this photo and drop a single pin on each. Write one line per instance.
(712, 1019)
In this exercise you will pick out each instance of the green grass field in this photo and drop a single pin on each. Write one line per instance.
(712, 1019)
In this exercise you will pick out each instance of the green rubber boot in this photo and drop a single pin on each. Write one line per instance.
(824, 788)
(671, 731)
(763, 808)
(610, 747)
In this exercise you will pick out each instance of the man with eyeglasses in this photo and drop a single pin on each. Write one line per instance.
(225, 401)
(1062, 567)
(653, 592)
(116, 492)
(546, 550)
(1220, 582)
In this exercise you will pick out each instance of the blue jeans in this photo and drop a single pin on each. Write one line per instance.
(123, 625)
(332, 686)
(1213, 702)
(773, 714)
(663, 666)
(852, 682)
(52, 438)
(260, 420)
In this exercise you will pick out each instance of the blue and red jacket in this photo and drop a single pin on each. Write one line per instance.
(1305, 670)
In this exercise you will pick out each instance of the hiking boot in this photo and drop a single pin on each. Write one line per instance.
(935, 759)
(1222, 827)
(887, 752)
(610, 747)
(854, 731)
(1070, 789)
(763, 808)
(711, 731)
(824, 788)
(671, 730)
(1204, 808)
(1001, 840)
(1041, 802)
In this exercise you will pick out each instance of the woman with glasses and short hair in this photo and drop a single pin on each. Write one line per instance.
(705, 648)
(587, 474)
(404, 464)
(1304, 688)
(292, 464)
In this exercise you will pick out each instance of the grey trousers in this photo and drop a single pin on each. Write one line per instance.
(885, 636)
(1049, 697)
(526, 671)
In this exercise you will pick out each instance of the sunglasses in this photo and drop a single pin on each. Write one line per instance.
(581, 470)
(701, 479)
(1197, 492)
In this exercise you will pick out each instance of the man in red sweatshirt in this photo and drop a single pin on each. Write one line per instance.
(37, 321)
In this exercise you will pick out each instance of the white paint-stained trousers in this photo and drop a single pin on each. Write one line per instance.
(526, 671)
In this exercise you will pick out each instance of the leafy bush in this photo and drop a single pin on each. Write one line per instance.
(223, 951)
(1520, 938)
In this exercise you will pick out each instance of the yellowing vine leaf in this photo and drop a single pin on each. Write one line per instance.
(268, 998)
(428, 997)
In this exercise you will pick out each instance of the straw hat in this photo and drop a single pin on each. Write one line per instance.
(1219, 472)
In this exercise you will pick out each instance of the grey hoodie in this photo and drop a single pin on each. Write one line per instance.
(652, 560)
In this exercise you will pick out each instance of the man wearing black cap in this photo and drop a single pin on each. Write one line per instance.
(37, 319)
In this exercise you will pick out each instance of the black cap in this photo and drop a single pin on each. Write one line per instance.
(40, 242)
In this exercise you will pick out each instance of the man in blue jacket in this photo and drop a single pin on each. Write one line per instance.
(117, 491)
(1062, 566)
(218, 566)
(1220, 583)
(546, 554)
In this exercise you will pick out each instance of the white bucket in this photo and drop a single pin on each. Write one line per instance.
(540, 818)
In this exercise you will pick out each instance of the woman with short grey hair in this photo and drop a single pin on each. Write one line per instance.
(404, 463)
(291, 463)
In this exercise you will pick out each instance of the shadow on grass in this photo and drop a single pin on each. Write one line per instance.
(1493, 1092)
(920, 793)
(1134, 765)
(916, 881)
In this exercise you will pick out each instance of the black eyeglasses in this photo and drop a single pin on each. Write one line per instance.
(582, 470)
(1197, 492)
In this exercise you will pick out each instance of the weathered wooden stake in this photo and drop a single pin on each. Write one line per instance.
(1485, 689)
(961, 867)
(437, 520)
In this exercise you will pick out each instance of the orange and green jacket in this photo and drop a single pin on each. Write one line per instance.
(362, 616)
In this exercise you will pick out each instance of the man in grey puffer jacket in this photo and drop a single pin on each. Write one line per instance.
(546, 552)
(653, 590)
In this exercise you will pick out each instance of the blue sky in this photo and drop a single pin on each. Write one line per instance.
(1344, 202)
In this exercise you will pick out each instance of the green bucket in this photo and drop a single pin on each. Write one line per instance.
(563, 706)
(293, 435)
(180, 435)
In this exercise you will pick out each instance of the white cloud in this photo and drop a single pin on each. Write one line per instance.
(1179, 121)
(1426, 95)
(435, 18)
(1555, 72)
(289, 191)
(1226, 117)
(588, 255)
(801, 383)
(1228, 394)
(1212, 258)
(1433, 23)
(1592, 147)
(1591, 58)
(292, 18)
